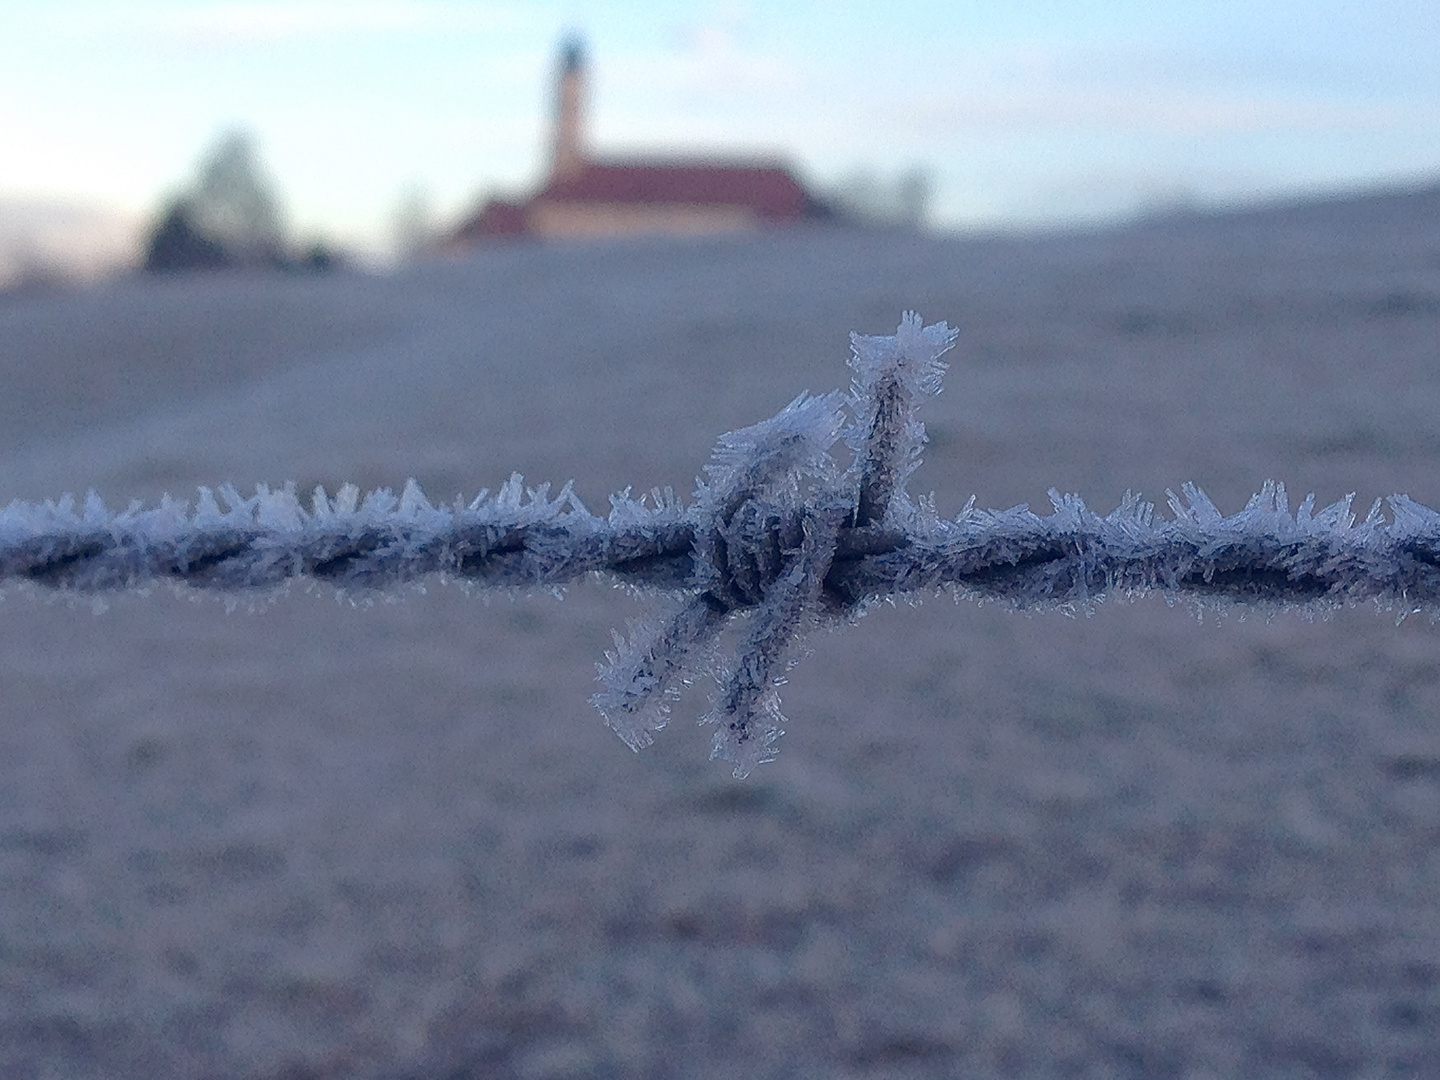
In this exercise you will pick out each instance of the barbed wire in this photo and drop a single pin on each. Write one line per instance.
(777, 537)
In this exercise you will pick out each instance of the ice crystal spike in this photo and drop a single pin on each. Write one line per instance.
(891, 376)
(777, 452)
(644, 673)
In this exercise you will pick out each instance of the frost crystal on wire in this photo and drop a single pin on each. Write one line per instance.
(891, 375)
(766, 528)
(759, 482)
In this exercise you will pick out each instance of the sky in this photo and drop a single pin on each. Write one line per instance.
(1022, 113)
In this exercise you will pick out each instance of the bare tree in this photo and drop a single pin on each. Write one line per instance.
(414, 223)
(229, 216)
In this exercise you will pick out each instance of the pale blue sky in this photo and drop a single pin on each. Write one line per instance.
(1023, 112)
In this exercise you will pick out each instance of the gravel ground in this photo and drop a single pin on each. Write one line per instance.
(393, 842)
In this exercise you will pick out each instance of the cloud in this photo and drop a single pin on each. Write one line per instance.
(1153, 111)
(262, 22)
(1034, 90)
(712, 57)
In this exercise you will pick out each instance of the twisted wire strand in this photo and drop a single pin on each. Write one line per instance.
(1264, 555)
(519, 539)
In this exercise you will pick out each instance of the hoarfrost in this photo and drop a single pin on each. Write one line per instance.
(779, 539)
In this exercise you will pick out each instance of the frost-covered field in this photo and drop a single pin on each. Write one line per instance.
(396, 842)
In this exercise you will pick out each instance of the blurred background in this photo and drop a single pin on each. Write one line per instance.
(322, 242)
(375, 124)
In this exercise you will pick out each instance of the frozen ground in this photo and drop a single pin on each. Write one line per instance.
(396, 843)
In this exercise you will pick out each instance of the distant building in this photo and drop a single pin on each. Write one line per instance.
(586, 196)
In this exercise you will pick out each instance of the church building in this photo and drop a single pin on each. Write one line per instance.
(588, 196)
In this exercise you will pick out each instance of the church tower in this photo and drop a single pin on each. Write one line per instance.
(567, 152)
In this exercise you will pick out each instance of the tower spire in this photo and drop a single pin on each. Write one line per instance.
(567, 153)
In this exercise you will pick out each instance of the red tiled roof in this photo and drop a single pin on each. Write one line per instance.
(497, 218)
(769, 190)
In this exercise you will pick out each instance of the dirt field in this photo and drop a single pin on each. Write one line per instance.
(396, 843)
